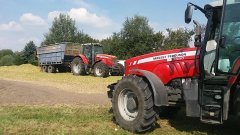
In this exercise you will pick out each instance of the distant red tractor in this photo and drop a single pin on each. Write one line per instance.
(204, 79)
(81, 58)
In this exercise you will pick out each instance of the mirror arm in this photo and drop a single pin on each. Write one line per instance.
(199, 8)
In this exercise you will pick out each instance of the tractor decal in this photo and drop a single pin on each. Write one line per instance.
(168, 57)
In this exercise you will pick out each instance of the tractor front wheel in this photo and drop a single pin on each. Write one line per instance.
(132, 104)
(101, 70)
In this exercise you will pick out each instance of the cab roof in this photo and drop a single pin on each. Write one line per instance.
(217, 3)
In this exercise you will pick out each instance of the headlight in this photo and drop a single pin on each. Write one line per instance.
(115, 60)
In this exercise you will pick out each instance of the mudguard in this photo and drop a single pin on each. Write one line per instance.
(84, 58)
(158, 88)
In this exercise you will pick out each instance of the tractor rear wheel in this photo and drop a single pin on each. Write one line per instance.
(101, 70)
(51, 69)
(132, 105)
(77, 66)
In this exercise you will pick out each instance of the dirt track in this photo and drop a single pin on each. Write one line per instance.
(23, 93)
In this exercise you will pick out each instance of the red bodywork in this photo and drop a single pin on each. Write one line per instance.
(166, 65)
(109, 60)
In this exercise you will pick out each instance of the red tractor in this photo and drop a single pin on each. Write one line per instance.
(204, 79)
(91, 59)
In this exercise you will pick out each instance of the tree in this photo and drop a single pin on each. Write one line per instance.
(177, 38)
(7, 60)
(18, 58)
(83, 38)
(29, 53)
(63, 30)
(158, 41)
(113, 45)
(137, 36)
(5, 52)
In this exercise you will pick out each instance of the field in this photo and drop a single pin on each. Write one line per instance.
(64, 81)
(83, 119)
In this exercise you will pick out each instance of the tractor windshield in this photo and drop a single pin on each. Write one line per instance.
(229, 51)
(98, 49)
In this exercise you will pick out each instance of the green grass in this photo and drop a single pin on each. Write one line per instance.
(64, 81)
(93, 120)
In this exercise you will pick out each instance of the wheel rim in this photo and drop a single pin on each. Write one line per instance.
(128, 105)
(76, 68)
(98, 71)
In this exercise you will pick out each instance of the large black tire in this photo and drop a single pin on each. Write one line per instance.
(101, 70)
(44, 69)
(51, 69)
(77, 66)
(132, 104)
(120, 70)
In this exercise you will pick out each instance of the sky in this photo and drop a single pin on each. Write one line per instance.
(22, 21)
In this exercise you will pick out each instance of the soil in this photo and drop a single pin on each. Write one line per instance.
(24, 93)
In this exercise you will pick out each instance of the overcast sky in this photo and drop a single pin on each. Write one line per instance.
(25, 20)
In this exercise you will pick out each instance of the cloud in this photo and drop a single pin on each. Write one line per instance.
(53, 14)
(82, 15)
(17, 33)
(30, 19)
(97, 26)
(11, 26)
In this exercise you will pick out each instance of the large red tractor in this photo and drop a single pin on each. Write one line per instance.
(204, 79)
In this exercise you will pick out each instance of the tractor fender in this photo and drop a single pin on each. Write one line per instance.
(158, 88)
(96, 63)
(84, 59)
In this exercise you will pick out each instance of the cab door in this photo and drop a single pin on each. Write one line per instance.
(219, 58)
(87, 51)
(228, 57)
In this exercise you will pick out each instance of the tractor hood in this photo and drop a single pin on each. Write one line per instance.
(164, 56)
(106, 56)
(166, 65)
(109, 60)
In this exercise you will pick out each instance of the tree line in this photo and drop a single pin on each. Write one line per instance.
(26, 56)
(135, 38)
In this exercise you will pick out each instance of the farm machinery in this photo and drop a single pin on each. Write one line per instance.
(204, 79)
(82, 59)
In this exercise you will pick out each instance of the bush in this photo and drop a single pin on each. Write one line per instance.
(7, 60)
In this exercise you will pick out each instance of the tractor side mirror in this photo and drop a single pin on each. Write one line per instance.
(188, 14)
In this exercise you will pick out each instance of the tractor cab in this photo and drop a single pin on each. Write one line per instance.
(219, 57)
(90, 50)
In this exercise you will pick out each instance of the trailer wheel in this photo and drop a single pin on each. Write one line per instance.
(77, 66)
(44, 69)
(101, 70)
(51, 69)
(132, 105)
